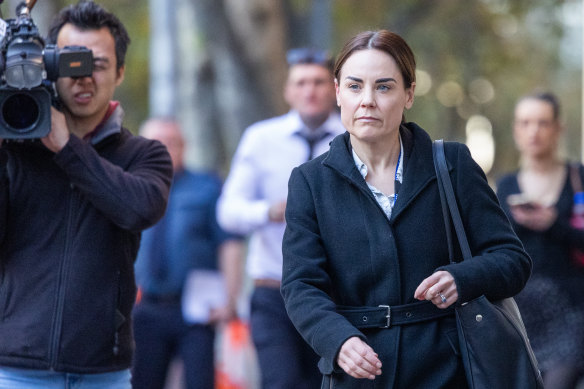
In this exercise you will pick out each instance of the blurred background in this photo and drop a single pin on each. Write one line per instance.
(219, 65)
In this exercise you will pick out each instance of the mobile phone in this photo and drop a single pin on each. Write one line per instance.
(520, 200)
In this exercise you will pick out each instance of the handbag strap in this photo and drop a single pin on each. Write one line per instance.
(448, 200)
(445, 210)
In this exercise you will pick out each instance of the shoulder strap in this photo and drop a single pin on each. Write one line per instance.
(445, 210)
(448, 200)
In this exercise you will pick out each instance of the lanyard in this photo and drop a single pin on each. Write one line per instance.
(397, 183)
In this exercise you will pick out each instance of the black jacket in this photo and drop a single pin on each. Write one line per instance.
(341, 250)
(70, 228)
(550, 249)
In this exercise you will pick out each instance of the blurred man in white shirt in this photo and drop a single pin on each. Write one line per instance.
(253, 203)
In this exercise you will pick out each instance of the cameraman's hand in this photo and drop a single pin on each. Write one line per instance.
(59, 135)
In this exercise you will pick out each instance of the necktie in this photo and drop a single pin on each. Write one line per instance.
(312, 137)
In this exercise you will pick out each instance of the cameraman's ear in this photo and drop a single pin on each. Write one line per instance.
(120, 75)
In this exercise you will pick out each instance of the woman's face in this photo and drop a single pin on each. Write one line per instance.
(372, 95)
(535, 130)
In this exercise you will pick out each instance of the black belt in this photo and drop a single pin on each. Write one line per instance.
(385, 316)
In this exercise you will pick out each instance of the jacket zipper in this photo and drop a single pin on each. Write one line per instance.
(117, 320)
(63, 271)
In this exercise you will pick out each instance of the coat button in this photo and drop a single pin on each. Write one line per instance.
(365, 319)
(409, 314)
(479, 318)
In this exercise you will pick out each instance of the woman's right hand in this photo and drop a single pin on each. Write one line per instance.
(358, 359)
(277, 212)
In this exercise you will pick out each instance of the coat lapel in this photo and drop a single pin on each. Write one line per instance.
(341, 160)
(418, 166)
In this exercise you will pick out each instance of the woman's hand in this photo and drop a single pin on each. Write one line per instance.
(439, 288)
(358, 359)
(536, 217)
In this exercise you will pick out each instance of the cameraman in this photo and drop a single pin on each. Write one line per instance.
(72, 208)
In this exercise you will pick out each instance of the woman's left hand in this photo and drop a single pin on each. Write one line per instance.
(439, 288)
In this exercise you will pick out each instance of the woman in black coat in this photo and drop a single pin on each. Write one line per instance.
(366, 276)
(538, 199)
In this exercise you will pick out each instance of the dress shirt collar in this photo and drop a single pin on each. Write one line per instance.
(295, 125)
(400, 167)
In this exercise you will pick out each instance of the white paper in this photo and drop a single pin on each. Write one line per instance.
(204, 290)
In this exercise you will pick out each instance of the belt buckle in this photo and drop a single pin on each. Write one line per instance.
(388, 316)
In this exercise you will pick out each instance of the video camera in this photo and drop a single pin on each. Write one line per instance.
(28, 70)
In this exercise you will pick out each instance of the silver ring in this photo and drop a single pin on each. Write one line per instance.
(442, 297)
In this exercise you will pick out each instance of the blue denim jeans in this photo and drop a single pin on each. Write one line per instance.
(11, 378)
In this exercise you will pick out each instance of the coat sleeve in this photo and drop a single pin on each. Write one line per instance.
(241, 209)
(133, 197)
(500, 267)
(562, 230)
(3, 190)
(306, 285)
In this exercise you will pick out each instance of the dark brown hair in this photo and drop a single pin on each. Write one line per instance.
(386, 41)
(546, 97)
(87, 15)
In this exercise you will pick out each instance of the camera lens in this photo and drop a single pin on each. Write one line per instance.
(20, 112)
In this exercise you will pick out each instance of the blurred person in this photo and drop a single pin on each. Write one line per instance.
(538, 199)
(72, 208)
(185, 241)
(365, 235)
(254, 200)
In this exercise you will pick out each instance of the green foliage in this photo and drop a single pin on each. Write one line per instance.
(512, 44)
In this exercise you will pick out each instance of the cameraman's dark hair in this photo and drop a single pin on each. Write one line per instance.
(87, 15)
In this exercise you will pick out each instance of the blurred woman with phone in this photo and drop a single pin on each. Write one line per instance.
(538, 199)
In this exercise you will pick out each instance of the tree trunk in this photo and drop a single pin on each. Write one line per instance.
(163, 55)
(214, 64)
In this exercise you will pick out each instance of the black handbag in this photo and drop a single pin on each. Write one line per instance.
(494, 346)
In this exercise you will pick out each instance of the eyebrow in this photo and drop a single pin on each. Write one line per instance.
(102, 59)
(378, 81)
(389, 79)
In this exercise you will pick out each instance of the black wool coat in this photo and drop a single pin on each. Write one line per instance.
(340, 249)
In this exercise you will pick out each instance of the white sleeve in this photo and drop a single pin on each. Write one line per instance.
(240, 209)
